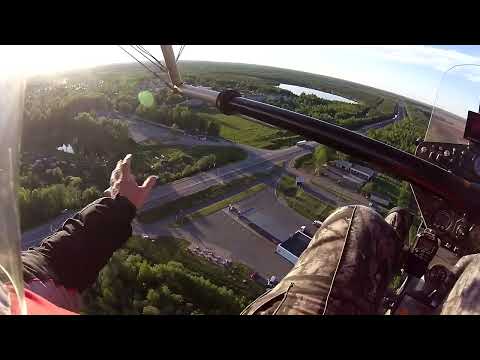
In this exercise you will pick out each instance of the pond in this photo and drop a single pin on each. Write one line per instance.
(66, 148)
(297, 90)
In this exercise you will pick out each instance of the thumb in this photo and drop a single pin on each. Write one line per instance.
(124, 173)
(149, 183)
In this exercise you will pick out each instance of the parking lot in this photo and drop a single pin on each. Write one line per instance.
(231, 239)
(265, 211)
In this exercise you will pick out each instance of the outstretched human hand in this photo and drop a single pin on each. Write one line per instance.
(123, 182)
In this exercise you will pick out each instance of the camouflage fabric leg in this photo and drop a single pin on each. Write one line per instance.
(464, 298)
(344, 270)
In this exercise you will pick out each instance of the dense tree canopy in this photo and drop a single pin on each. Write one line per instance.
(165, 279)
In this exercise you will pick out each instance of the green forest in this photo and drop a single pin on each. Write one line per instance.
(80, 115)
(162, 277)
(403, 134)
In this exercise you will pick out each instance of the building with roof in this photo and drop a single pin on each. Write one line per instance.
(293, 247)
(362, 172)
(342, 164)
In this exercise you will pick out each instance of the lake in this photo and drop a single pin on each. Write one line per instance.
(297, 90)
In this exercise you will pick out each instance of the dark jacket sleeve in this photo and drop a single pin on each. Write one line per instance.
(74, 255)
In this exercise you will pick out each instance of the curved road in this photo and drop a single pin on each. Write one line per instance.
(398, 117)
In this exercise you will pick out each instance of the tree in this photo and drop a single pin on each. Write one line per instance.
(201, 123)
(54, 175)
(188, 170)
(145, 273)
(74, 181)
(320, 156)
(404, 196)
(368, 188)
(213, 129)
(206, 162)
(90, 194)
(153, 297)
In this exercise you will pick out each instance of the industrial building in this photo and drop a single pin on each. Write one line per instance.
(359, 172)
(362, 172)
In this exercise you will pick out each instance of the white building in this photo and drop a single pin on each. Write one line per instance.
(362, 172)
(292, 248)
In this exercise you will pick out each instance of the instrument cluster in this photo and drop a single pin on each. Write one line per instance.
(453, 229)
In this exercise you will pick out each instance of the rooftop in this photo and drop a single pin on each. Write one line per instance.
(296, 243)
(343, 163)
(310, 230)
(363, 169)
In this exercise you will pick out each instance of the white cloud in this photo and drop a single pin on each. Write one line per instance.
(474, 78)
(436, 58)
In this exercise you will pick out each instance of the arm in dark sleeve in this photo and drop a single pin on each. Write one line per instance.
(74, 255)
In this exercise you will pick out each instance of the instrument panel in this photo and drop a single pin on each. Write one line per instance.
(454, 229)
(462, 160)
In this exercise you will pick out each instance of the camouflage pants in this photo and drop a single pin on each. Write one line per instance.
(345, 269)
(464, 298)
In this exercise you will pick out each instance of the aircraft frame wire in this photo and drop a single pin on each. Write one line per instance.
(152, 62)
(140, 49)
(158, 61)
(180, 53)
(146, 67)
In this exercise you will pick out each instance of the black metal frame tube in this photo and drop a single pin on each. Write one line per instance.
(460, 193)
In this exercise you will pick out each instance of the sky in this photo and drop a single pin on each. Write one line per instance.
(413, 71)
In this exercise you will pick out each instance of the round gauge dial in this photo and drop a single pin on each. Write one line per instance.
(442, 220)
(476, 166)
(436, 274)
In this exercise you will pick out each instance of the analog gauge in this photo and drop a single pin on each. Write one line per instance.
(436, 274)
(476, 166)
(442, 220)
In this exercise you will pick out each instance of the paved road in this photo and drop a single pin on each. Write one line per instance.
(398, 117)
(141, 130)
(204, 180)
(34, 236)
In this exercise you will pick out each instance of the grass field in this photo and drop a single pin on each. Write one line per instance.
(305, 162)
(225, 202)
(387, 186)
(384, 185)
(223, 154)
(243, 131)
(171, 163)
(337, 190)
(303, 203)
